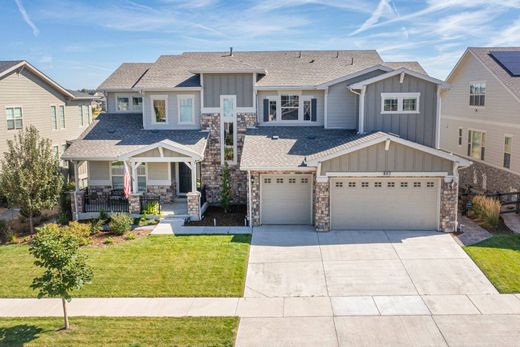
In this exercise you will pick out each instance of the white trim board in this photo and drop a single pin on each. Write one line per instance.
(406, 71)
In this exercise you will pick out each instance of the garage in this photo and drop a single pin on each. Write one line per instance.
(386, 204)
(286, 199)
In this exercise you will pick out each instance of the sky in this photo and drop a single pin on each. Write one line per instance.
(79, 43)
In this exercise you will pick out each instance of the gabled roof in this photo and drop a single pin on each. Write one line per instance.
(7, 67)
(399, 71)
(482, 55)
(81, 95)
(125, 77)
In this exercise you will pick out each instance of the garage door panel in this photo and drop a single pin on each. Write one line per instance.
(385, 204)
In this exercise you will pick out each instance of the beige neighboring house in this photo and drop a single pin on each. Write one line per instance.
(481, 117)
(29, 97)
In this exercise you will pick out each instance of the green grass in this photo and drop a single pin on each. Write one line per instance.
(102, 331)
(499, 258)
(152, 266)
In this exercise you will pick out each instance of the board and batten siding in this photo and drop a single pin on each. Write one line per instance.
(240, 84)
(399, 158)
(172, 121)
(417, 127)
(320, 107)
(343, 105)
(35, 96)
(498, 118)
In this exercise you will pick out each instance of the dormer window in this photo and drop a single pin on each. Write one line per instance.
(122, 103)
(290, 105)
(290, 108)
(159, 108)
(400, 103)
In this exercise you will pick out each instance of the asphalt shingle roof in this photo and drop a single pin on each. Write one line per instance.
(125, 76)
(112, 135)
(294, 145)
(7, 64)
(511, 82)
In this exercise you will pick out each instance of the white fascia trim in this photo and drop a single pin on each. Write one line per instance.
(274, 168)
(282, 88)
(228, 71)
(174, 89)
(168, 144)
(72, 158)
(386, 174)
(355, 74)
(397, 72)
(438, 119)
(160, 160)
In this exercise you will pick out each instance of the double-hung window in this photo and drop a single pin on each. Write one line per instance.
(141, 178)
(400, 103)
(117, 172)
(62, 116)
(460, 137)
(476, 144)
(290, 106)
(228, 130)
(185, 109)
(122, 103)
(14, 118)
(81, 116)
(56, 152)
(54, 118)
(137, 103)
(508, 143)
(159, 109)
(64, 163)
(89, 116)
(477, 94)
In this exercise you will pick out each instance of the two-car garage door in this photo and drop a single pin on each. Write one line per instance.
(377, 203)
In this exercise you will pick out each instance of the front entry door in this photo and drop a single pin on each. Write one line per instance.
(184, 178)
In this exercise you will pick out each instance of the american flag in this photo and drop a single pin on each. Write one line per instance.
(126, 182)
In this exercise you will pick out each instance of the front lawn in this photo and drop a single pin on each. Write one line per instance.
(499, 258)
(125, 331)
(161, 265)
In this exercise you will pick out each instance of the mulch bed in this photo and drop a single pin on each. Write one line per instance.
(235, 216)
(100, 239)
(501, 228)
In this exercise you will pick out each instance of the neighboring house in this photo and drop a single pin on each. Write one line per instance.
(481, 119)
(28, 97)
(337, 139)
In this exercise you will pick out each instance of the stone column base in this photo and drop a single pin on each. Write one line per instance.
(134, 203)
(193, 199)
(321, 206)
(76, 203)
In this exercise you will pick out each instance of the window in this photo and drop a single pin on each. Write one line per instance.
(228, 129)
(476, 144)
(352, 184)
(430, 184)
(279, 180)
(185, 106)
(292, 180)
(508, 141)
(307, 110)
(267, 180)
(122, 103)
(390, 184)
(62, 116)
(141, 178)
(89, 116)
(81, 116)
(56, 152)
(477, 94)
(378, 184)
(64, 163)
(339, 184)
(54, 118)
(229, 141)
(460, 136)
(14, 118)
(364, 184)
(305, 180)
(159, 109)
(404, 184)
(117, 171)
(290, 105)
(137, 103)
(400, 102)
(417, 184)
(272, 110)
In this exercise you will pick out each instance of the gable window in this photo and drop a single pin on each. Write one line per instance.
(137, 103)
(62, 116)
(508, 141)
(54, 118)
(122, 103)
(228, 129)
(460, 137)
(159, 108)
(14, 118)
(477, 93)
(186, 111)
(476, 144)
(290, 108)
(400, 102)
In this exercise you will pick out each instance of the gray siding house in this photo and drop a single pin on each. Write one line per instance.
(335, 139)
(28, 97)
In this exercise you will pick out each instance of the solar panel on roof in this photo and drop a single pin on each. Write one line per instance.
(509, 60)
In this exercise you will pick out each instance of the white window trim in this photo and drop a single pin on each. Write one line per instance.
(235, 137)
(469, 94)
(186, 97)
(152, 112)
(5, 115)
(400, 97)
(58, 108)
(131, 103)
(484, 132)
(302, 98)
(460, 135)
(130, 97)
(510, 152)
(57, 117)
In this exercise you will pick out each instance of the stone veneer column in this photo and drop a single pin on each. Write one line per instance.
(77, 203)
(255, 199)
(193, 205)
(449, 200)
(322, 206)
(134, 203)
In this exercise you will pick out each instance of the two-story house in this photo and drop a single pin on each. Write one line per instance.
(336, 139)
(481, 119)
(28, 97)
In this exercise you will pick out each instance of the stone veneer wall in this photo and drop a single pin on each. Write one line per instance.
(167, 193)
(211, 166)
(322, 206)
(488, 179)
(99, 189)
(449, 201)
(193, 201)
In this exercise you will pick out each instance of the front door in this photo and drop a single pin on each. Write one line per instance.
(184, 178)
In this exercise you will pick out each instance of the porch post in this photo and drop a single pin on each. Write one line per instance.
(193, 176)
(135, 186)
(76, 175)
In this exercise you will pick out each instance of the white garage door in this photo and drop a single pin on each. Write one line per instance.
(286, 199)
(386, 204)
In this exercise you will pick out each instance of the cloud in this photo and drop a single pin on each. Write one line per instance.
(271, 5)
(509, 36)
(383, 9)
(26, 18)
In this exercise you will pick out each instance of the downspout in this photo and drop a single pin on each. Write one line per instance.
(249, 199)
(361, 110)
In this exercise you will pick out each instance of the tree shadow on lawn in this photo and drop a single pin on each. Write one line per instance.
(504, 241)
(236, 238)
(18, 335)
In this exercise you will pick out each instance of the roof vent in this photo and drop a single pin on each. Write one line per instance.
(111, 131)
(312, 61)
(337, 54)
(300, 54)
(275, 137)
(311, 137)
(230, 51)
(352, 61)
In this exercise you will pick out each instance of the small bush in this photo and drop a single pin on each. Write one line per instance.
(62, 219)
(130, 237)
(487, 209)
(120, 223)
(103, 215)
(96, 225)
(152, 207)
(108, 241)
(81, 230)
(6, 234)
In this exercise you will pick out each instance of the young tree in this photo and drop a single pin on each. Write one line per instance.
(65, 268)
(225, 193)
(29, 175)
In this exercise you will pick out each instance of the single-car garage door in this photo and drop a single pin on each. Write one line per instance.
(362, 203)
(286, 199)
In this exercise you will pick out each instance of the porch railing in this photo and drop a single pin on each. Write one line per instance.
(108, 202)
(510, 202)
(144, 200)
(202, 196)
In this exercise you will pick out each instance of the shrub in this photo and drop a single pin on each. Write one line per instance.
(96, 225)
(152, 208)
(6, 234)
(130, 237)
(120, 223)
(103, 215)
(487, 209)
(108, 241)
(81, 230)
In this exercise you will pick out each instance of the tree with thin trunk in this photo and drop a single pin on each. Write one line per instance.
(225, 193)
(30, 177)
(65, 267)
